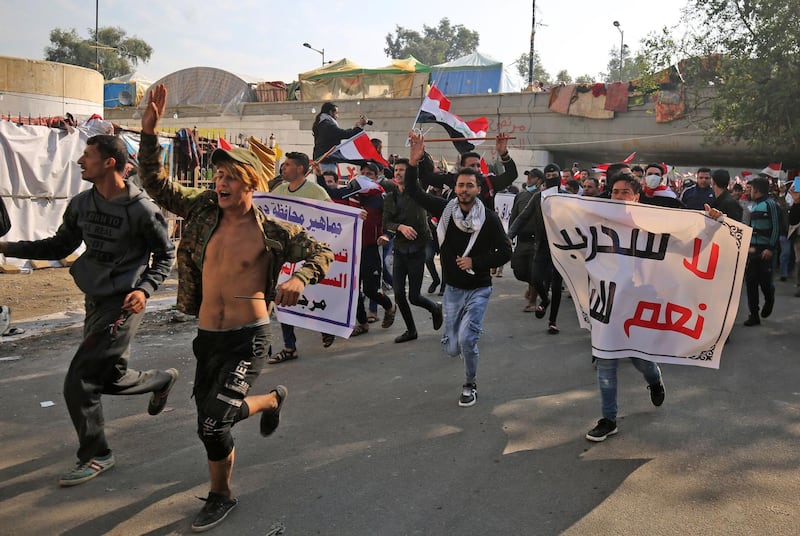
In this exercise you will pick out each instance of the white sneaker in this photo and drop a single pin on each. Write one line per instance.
(5, 318)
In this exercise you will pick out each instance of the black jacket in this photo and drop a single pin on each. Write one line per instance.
(329, 134)
(491, 249)
(488, 185)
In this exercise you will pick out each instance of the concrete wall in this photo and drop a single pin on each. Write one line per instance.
(44, 88)
(541, 135)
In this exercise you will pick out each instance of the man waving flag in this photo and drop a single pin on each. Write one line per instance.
(436, 109)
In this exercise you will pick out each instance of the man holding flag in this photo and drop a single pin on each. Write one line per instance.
(436, 109)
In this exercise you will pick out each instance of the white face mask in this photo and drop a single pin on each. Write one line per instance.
(653, 181)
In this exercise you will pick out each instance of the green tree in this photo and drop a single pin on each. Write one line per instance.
(539, 72)
(585, 79)
(435, 45)
(563, 76)
(632, 66)
(740, 61)
(118, 54)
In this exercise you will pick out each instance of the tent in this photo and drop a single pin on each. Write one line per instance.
(345, 79)
(128, 90)
(207, 87)
(472, 74)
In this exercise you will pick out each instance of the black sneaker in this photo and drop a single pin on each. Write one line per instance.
(214, 511)
(438, 317)
(159, 398)
(272, 418)
(769, 303)
(406, 336)
(752, 320)
(604, 428)
(469, 395)
(657, 393)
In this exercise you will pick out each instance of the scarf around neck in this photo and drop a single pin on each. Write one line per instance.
(470, 224)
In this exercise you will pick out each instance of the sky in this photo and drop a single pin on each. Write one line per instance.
(264, 39)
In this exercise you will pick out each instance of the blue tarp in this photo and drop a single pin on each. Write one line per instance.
(118, 94)
(469, 75)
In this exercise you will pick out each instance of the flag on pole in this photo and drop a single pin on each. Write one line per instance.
(602, 168)
(358, 149)
(773, 170)
(436, 109)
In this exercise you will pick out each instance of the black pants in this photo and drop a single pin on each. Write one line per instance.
(431, 250)
(370, 276)
(545, 276)
(100, 366)
(522, 261)
(409, 265)
(758, 274)
(228, 362)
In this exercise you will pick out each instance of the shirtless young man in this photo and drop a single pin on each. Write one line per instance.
(229, 248)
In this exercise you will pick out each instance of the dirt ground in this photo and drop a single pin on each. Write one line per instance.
(47, 291)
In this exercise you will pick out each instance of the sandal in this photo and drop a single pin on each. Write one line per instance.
(541, 309)
(388, 317)
(360, 329)
(327, 340)
(287, 354)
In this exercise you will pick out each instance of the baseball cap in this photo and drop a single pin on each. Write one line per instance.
(238, 154)
(552, 168)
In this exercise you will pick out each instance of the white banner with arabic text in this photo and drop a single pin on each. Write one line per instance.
(330, 305)
(650, 282)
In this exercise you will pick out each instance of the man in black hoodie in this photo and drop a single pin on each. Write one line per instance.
(123, 230)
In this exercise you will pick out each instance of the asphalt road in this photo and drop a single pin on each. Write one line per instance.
(372, 441)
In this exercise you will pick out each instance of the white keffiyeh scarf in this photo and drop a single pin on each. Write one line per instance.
(471, 223)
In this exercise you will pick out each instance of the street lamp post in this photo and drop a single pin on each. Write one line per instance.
(315, 50)
(621, 48)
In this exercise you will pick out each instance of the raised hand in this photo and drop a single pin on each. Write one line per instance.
(417, 147)
(157, 103)
(501, 143)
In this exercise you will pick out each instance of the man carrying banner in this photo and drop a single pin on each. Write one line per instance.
(472, 241)
(230, 248)
(625, 188)
(294, 170)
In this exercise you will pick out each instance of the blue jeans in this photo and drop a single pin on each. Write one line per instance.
(607, 380)
(463, 320)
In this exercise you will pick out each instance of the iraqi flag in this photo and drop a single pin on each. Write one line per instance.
(773, 170)
(436, 109)
(358, 149)
(602, 168)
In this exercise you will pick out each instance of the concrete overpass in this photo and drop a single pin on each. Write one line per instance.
(542, 136)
